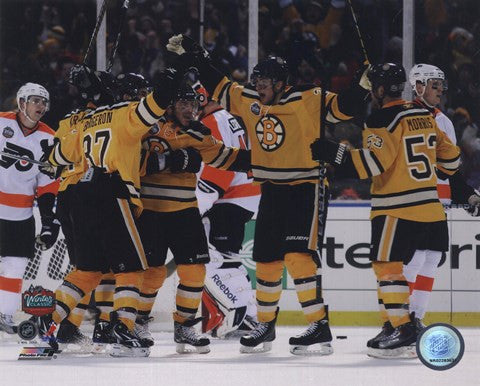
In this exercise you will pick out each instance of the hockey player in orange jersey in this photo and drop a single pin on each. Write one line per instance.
(402, 145)
(281, 122)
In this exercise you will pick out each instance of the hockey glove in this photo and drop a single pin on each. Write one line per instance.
(361, 77)
(328, 151)
(474, 201)
(335, 154)
(186, 160)
(169, 81)
(181, 44)
(48, 234)
(156, 162)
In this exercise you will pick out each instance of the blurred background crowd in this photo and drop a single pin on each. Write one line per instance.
(40, 40)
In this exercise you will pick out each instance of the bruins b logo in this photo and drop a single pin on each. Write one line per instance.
(270, 132)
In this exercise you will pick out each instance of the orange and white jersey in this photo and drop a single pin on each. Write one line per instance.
(21, 181)
(444, 124)
(221, 186)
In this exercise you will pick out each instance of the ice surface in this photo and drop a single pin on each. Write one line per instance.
(225, 366)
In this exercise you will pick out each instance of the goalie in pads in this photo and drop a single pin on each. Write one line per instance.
(228, 302)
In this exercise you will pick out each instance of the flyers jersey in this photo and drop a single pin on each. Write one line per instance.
(170, 192)
(281, 134)
(402, 146)
(20, 181)
(232, 187)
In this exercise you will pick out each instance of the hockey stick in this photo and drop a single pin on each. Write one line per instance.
(24, 158)
(355, 21)
(322, 172)
(93, 38)
(123, 16)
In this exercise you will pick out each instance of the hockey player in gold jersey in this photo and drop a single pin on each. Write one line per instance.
(171, 219)
(402, 146)
(105, 202)
(281, 121)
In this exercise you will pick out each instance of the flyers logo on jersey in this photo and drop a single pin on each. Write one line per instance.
(270, 132)
(21, 166)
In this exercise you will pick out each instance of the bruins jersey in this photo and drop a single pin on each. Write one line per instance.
(111, 140)
(68, 149)
(170, 192)
(281, 134)
(402, 146)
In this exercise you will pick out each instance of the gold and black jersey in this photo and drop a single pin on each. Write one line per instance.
(170, 192)
(281, 134)
(402, 146)
(68, 149)
(111, 139)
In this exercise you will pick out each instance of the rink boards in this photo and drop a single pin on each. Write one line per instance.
(348, 281)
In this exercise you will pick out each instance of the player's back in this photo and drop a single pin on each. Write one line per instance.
(407, 145)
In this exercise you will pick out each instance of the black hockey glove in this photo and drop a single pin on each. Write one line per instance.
(48, 234)
(328, 151)
(156, 162)
(186, 160)
(169, 81)
(335, 154)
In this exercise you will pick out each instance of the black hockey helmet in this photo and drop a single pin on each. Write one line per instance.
(185, 93)
(274, 67)
(133, 85)
(98, 87)
(389, 75)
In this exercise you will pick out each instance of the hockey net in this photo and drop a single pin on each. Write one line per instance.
(48, 268)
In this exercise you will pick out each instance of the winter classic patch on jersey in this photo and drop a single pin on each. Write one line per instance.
(8, 132)
(270, 132)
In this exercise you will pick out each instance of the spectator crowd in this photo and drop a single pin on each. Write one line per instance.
(40, 40)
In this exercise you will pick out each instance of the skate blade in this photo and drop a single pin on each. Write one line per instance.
(408, 352)
(75, 348)
(266, 346)
(100, 348)
(183, 348)
(118, 350)
(317, 349)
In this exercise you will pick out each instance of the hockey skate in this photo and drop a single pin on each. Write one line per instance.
(142, 331)
(102, 336)
(263, 333)
(185, 334)
(7, 325)
(71, 339)
(400, 343)
(387, 329)
(248, 325)
(315, 340)
(127, 344)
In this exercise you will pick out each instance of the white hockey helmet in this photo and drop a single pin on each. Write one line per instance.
(423, 72)
(33, 89)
